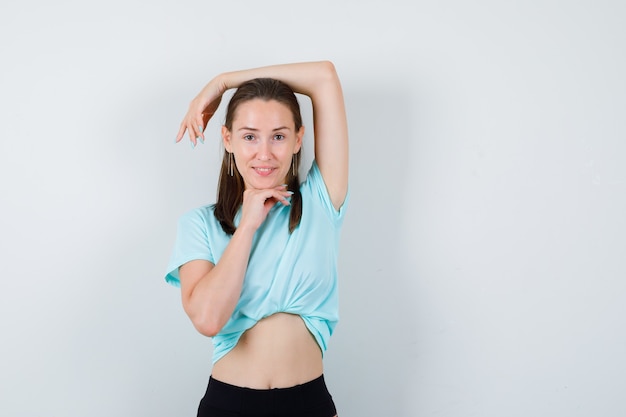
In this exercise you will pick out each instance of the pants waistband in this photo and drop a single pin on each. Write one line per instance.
(223, 394)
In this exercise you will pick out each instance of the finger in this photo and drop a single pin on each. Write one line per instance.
(181, 132)
(283, 197)
(192, 135)
(195, 127)
(200, 126)
(287, 197)
(195, 130)
(262, 196)
(277, 192)
(282, 189)
(205, 121)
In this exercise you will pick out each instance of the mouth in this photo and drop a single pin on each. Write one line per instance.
(264, 171)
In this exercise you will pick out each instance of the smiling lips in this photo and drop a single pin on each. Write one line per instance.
(264, 171)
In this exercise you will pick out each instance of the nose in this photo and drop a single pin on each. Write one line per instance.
(264, 150)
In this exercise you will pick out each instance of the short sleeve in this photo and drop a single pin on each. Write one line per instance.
(314, 186)
(191, 243)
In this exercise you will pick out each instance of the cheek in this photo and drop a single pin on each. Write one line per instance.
(287, 155)
(244, 152)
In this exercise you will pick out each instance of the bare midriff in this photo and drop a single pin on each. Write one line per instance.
(278, 352)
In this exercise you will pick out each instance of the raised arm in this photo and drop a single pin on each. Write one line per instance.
(320, 82)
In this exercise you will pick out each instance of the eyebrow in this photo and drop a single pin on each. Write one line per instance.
(256, 130)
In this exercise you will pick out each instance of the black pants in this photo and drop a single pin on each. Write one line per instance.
(310, 399)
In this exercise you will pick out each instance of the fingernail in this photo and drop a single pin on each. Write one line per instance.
(201, 139)
(200, 129)
(193, 145)
(284, 185)
(290, 192)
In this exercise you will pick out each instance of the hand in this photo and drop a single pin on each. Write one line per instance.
(257, 203)
(200, 111)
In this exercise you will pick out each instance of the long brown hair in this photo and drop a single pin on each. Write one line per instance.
(230, 188)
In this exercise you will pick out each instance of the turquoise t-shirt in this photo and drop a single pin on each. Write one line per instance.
(291, 273)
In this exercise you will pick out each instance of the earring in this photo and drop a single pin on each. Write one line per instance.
(230, 164)
(294, 168)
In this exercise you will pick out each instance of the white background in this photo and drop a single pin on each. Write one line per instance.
(484, 254)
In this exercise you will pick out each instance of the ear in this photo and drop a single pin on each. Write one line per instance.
(226, 138)
(299, 136)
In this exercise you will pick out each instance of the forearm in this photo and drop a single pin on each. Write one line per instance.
(215, 296)
(304, 77)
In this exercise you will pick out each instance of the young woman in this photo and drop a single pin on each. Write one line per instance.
(258, 269)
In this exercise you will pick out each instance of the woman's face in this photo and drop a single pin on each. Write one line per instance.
(263, 141)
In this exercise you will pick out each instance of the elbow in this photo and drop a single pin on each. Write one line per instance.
(207, 321)
(208, 332)
(328, 69)
(206, 326)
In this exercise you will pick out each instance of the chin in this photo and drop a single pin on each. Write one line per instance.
(270, 181)
(262, 185)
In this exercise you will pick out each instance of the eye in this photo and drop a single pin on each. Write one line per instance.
(279, 137)
(248, 137)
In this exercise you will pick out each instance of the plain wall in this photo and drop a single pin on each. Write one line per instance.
(482, 260)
